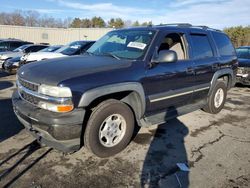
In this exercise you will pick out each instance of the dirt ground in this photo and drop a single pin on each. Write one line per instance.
(216, 148)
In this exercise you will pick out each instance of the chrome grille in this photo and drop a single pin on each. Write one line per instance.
(28, 85)
(30, 98)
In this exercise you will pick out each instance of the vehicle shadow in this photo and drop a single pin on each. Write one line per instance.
(165, 151)
(5, 85)
(9, 124)
(3, 74)
(24, 152)
(241, 85)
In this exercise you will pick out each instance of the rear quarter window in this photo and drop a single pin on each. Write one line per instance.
(223, 43)
(201, 47)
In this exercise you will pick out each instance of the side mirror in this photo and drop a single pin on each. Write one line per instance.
(165, 56)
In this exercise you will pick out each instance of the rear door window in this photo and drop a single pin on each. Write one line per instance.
(201, 47)
(223, 43)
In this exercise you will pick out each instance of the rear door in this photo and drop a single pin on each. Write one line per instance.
(205, 62)
(170, 85)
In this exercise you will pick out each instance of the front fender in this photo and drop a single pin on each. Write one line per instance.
(135, 87)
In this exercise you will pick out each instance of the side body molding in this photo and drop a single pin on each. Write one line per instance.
(137, 93)
(222, 72)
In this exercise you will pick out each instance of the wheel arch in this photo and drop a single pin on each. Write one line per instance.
(131, 93)
(224, 74)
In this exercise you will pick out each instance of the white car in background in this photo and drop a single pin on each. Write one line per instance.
(74, 48)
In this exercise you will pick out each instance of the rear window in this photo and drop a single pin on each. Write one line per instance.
(201, 47)
(224, 44)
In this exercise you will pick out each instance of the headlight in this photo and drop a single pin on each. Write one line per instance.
(58, 92)
(15, 63)
(54, 91)
(24, 57)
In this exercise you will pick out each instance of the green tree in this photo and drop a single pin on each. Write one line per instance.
(136, 23)
(240, 36)
(117, 23)
(97, 22)
(86, 23)
(76, 23)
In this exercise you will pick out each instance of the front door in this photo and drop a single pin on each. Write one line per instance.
(170, 85)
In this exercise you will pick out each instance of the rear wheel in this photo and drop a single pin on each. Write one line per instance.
(109, 129)
(217, 98)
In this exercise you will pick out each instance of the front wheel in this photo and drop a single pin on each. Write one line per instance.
(217, 98)
(109, 128)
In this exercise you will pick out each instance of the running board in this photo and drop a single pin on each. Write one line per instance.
(164, 116)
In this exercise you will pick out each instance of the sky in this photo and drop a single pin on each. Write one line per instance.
(214, 13)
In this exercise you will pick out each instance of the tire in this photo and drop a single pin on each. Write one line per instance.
(215, 103)
(103, 121)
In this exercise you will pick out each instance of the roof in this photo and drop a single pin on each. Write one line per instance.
(12, 39)
(176, 26)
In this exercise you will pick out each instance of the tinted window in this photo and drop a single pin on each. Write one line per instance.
(34, 48)
(37, 48)
(14, 45)
(4, 46)
(243, 53)
(201, 47)
(224, 44)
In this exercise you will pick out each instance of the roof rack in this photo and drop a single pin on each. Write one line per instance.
(177, 24)
(188, 25)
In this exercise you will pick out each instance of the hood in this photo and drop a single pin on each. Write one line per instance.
(244, 62)
(37, 56)
(54, 71)
(5, 52)
(11, 55)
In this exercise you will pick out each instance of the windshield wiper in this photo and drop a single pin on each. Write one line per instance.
(111, 55)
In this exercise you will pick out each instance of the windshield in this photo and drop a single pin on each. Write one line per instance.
(50, 49)
(243, 53)
(71, 48)
(124, 44)
(21, 48)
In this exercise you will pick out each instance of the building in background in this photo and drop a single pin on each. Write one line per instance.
(51, 35)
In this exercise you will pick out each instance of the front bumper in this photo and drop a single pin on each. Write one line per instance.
(61, 131)
(243, 75)
(1, 63)
(10, 69)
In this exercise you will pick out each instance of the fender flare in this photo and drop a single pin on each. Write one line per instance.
(220, 73)
(135, 87)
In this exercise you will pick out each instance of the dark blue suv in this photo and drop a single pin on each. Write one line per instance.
(136, 76)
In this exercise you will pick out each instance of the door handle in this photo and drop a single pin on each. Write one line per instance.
(190, 70)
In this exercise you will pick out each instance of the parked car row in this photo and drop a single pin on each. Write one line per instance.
(10, 61)
(11, 44)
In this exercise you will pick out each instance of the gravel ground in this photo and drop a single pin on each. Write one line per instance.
(216, 148)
